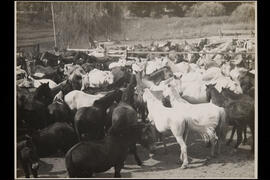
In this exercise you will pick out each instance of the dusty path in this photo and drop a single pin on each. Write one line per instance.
(229, 164)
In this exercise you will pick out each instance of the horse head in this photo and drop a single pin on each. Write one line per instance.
(43, 93)
(209, 89)
(148, 136)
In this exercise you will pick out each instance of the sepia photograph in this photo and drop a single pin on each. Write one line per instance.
(135, 89)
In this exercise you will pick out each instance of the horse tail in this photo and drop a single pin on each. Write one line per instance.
(207, 132)
(221, 128)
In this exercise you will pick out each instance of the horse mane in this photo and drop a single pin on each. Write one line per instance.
(230, 94)
(151, 96)
(177, 96)
(108, 98)
(217, 98)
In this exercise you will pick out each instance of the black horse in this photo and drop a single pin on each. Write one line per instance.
(88, 157)
(57, 137)
(32, 112)
(60, 112)
(28, 157)
(91, 120)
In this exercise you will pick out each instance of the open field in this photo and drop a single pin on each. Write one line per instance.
(141, 29)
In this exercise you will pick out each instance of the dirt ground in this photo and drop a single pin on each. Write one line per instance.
(228, 164)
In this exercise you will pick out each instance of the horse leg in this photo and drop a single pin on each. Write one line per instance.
(133, 150)
(143, 114)
(239, 137)
(231, 137)
(183, 154)
(213, 142)
(117, 169)
(77, 131)
(164, 143)
(26, 170)
(34, 172)
(245, 136)
(251, 126)
(178, 134)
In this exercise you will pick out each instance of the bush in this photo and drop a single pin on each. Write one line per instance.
(207, 9)
(244, 12)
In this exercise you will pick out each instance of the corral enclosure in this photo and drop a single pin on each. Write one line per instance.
(143, 25)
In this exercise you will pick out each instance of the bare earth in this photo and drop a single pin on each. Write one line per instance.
(228, 164)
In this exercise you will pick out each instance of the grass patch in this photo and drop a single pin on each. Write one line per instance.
(140, 29)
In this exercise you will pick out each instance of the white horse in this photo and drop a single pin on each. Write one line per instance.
(167, 119)
(121, 63)
(156, 64)
(77, 99)
(192, 87)
(96, 78)
(31, 82)
(209, 117)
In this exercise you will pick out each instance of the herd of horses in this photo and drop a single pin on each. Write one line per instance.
(97, 127)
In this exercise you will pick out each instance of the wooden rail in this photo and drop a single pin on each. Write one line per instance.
(190, 52)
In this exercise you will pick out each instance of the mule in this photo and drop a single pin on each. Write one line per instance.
(91, 120)
(28, 157)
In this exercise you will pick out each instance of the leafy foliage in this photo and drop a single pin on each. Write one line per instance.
(207, 9)
(245, 12)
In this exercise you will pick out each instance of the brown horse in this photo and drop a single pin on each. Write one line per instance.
(243, 97)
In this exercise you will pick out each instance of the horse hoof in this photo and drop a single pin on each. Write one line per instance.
(208, 158)
(117, 176)
(179, 162)
(184, 166)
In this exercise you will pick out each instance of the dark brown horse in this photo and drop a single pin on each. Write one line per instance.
(243, 97)
(88, 157)
(240, 113)
(91, 120)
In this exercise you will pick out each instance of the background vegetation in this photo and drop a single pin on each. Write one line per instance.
(76, 22)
